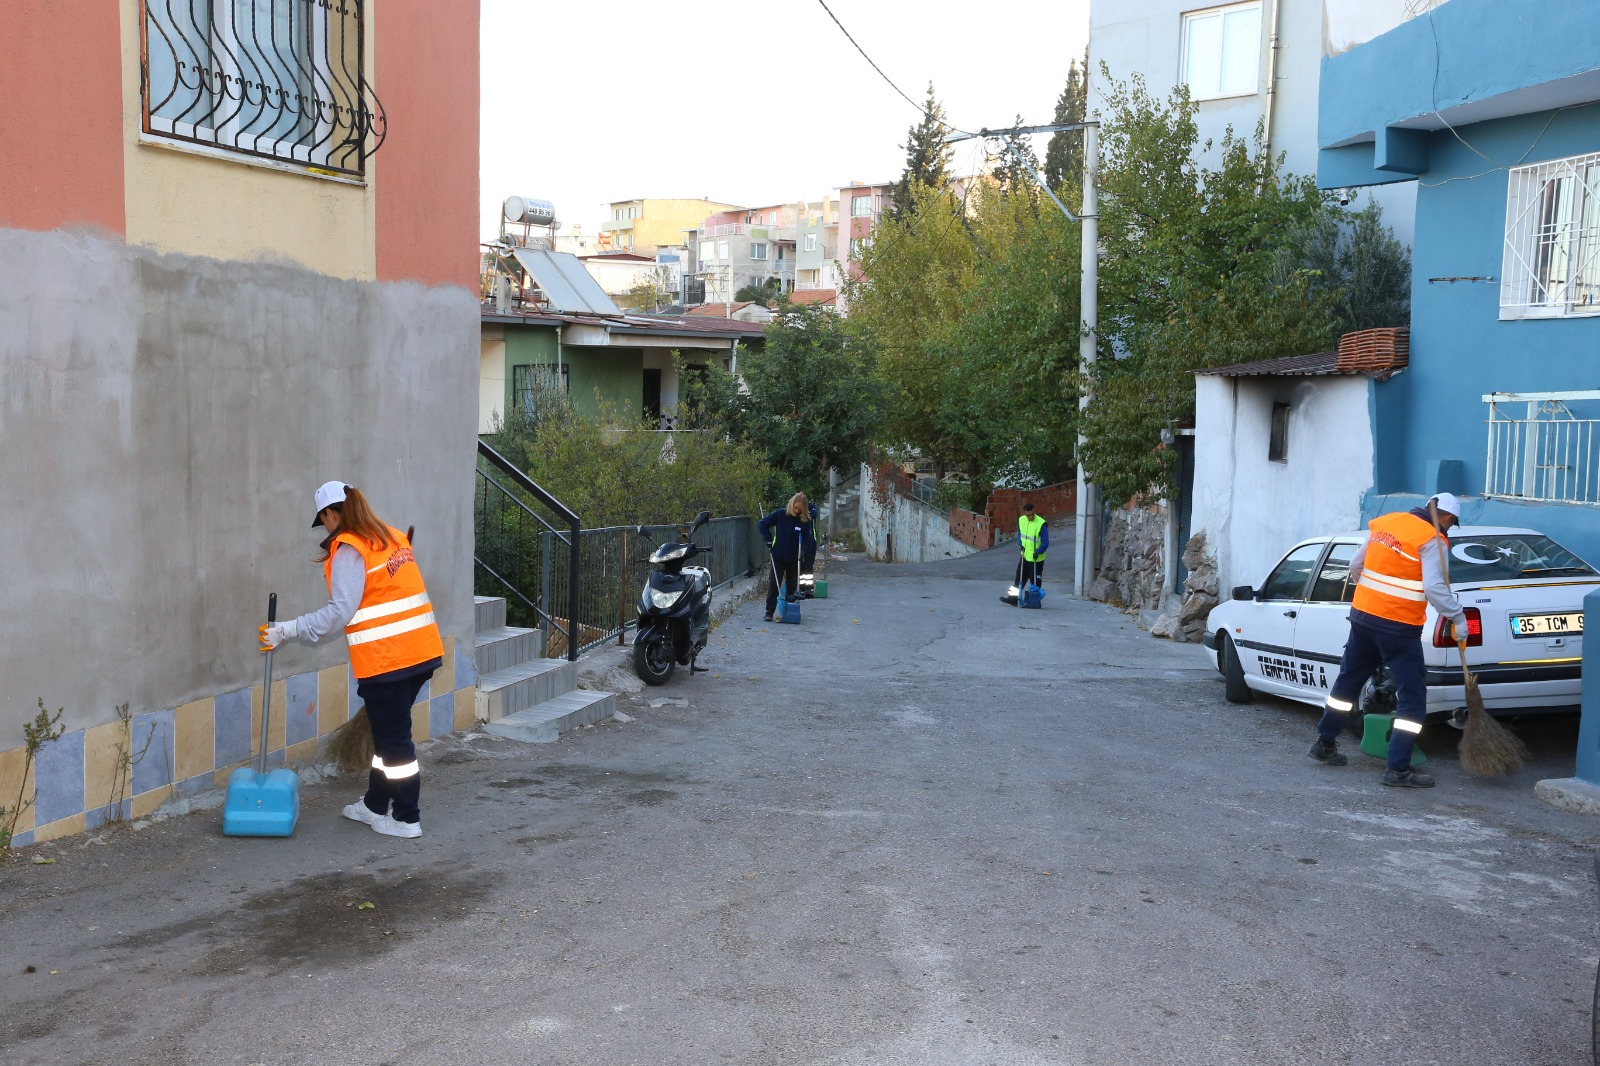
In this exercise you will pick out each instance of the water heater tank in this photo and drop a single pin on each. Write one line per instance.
(530, 212)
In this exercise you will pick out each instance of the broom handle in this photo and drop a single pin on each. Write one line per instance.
(266, 687)
(1444, 565)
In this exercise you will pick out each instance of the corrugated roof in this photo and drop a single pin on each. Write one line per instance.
(1287, 366)
(566, 284)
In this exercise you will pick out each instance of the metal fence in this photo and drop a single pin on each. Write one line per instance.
(615, 561)
(528, 558)
(1540, 450)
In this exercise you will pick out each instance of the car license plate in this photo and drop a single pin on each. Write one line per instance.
(1546, 625)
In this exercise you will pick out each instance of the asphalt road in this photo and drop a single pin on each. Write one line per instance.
(920, 828)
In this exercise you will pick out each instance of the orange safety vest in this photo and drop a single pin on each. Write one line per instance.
(1390, 585)
(394, 627)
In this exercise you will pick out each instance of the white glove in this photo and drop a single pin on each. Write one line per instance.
(273, 635)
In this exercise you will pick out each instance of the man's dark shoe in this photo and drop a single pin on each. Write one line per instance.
(767, 617)
(1327, 751)
(1406, 779)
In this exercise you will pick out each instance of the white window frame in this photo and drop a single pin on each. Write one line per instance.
(1550, 265)
(861, 206)
(1221, 14)
(758, 250)
(811, 242)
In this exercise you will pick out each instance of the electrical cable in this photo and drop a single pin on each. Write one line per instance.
(921, 108)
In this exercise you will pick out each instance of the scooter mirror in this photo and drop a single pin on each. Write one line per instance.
(700, 519)
(640, 531)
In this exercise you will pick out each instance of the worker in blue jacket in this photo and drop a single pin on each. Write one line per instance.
(790, 535)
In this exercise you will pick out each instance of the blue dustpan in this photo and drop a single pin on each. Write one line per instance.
(262, 804)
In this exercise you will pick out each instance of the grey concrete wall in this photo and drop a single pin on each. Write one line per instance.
(163, 423)
(920, 533)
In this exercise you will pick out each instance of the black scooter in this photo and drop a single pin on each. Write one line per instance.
(674, 609)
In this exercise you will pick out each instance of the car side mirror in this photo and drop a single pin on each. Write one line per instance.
(1243, 592)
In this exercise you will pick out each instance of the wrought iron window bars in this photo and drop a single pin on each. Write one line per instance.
(276, 79)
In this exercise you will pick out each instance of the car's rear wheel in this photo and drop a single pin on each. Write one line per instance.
(1233, 683)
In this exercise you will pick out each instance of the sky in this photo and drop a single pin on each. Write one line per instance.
(751, 102)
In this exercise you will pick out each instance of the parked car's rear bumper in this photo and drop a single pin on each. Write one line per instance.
(1515, 688)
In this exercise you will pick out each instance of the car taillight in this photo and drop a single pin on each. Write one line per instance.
(1441, 630)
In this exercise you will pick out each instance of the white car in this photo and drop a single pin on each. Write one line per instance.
(1522, 592)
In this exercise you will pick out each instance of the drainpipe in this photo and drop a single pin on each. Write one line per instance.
(558, 353)
(1272, 80)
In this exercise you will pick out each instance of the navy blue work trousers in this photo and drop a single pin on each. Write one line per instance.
(395, 777)
(1368, 648)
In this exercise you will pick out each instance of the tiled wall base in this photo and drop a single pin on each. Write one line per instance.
(193, 748)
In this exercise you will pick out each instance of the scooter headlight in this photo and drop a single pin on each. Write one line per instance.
(662, 600)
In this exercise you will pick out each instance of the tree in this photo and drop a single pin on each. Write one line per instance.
(812, 398)
(1358, 259)
(916, 276)
(649, 291)
(1011, 175)
(1191, 276)
(766, 293)
(928, 157)
(1063, 159)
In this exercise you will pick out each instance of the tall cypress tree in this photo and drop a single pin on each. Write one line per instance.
(1009, 172)
(927, 156)
(1063, 160)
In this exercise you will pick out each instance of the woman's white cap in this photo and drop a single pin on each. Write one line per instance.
(333, 492)
(1445, 501)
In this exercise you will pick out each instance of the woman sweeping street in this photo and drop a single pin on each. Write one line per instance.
(377, 599)
(789, 533)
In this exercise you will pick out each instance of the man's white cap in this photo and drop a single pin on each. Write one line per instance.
(1445, 501)
(333, 492)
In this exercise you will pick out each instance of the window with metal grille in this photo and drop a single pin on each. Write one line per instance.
(528, 380)
(280, 80)
(1551, 265)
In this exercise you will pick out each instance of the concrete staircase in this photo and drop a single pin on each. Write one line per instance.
(521, 695)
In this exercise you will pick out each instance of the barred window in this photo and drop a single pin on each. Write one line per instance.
(530, 380)
(274, 79)
(1551, 263)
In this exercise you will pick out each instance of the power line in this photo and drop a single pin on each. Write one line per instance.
(881, 74)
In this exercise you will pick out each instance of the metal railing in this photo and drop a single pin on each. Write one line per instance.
(277, 79)
(506, 528)
(1548, 454)
(616, 560)
(578, 587)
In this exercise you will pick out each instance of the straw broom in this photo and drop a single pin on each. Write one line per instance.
(350, 746)
(1488, 749)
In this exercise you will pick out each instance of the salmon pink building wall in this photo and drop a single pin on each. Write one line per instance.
(61, 134)
(426, 173)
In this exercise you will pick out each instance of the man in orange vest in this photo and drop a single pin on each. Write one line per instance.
(1397, 573)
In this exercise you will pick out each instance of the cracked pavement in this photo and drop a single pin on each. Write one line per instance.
(921, 828)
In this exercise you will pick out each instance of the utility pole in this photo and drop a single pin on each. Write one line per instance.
(1087, 538)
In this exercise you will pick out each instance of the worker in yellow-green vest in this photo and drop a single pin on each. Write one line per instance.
(1033, 535)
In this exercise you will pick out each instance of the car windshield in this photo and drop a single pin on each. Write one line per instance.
(1501, 556)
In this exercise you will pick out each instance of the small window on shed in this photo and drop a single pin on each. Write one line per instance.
(1278, 443)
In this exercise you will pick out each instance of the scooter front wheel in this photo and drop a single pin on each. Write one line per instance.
(652, 660)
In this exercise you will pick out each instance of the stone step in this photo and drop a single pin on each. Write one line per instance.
(544, 722)
(519, 687)
(489, 612)
(501, 649)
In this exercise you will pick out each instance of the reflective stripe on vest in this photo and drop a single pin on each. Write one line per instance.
(394, 627)
(1390, 585)
(1028, 528)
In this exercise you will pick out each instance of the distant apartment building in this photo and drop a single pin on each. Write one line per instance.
(746, 246)
(817, 248)
(641, 226)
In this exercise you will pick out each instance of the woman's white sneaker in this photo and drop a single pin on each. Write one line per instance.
(385, 824)
(360, 812)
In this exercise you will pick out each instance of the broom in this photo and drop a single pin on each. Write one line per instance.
(350, 746)
(1488, 749)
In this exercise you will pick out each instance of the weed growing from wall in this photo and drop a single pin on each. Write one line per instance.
(44, 728)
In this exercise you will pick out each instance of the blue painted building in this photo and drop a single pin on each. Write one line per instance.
(1492, 107)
